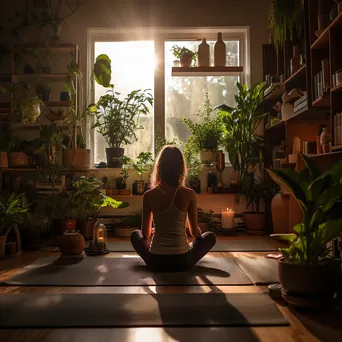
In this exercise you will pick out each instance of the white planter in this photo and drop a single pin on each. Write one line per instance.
(207, 156)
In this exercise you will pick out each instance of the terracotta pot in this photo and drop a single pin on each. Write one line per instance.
(18, 160)
(124, 191)
(311, 282)
(78, 158)
(280, 213)
(254, 221)
(186, 61)
(2, 245)
(71, 243)
(86, 229)
(3, 160)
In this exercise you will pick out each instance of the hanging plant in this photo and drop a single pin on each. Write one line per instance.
(286, 20)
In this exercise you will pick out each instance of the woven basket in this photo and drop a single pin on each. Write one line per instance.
(71, 243)
(3, 160)
(18, 160)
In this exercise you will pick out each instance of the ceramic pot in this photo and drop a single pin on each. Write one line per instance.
(310, 282)
(325, 140)
(220, 51)
(186, 60)
(280, 213)
(2, 245)
(3, 160)
(112, 155)
(71, 243)
(203, 56)
(77, 158)
(254, 221)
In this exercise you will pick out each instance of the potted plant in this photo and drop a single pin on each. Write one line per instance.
(43, 92)
(121, 182)
(17, 158)
(105, 184)
(206, 133)
(206, 220)
(89, 199)
(13, 209)
(194, 167)
(27, 110)
(141, 166)
(128, 224)
(308, 274)
(184, 55)
(286, 20)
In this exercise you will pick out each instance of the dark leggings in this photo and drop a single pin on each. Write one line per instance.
(173, 262)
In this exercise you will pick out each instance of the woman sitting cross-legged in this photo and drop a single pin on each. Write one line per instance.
(168, 204)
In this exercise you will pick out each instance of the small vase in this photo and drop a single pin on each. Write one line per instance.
(325, 140)
(203, 54)
(186, 61)
(295, 61)
(220, 51)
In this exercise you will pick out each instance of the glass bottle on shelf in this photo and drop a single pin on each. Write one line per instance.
(203, 56)
(220, 51)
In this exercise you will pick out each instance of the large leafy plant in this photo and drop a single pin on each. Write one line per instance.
(142, 163)
(13, 210)
(118, 120)
(316, 194)
(206, 133)
(240, 125)
(88, 198)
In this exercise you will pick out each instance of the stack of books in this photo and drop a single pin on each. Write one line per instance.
(300, 105)
(337, 129)
(322, 80)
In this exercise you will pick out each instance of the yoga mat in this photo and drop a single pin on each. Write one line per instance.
(221, 246)
(138, 310)
(108, 271)
(261, 270)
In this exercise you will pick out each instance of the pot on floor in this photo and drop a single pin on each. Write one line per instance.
(255, 223)
(71, 243)
(309, 285)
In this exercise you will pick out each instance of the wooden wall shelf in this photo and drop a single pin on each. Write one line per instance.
(207, 71)
(277, 126)
(322, 155)
(322, 101)
(337, 89)
(336, 148)
(57, 103)
(322, 42)
(297, 77)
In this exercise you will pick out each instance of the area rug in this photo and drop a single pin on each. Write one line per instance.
(130, 271)
(261, 270)
(221, 246)
(138, 310)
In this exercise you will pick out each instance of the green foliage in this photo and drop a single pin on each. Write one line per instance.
(88, 198)
(206, 134)
(180, 52)
(207, 217)
(103, 70)
(126, 165)
(142, 163)
(243, 145)
(118, 120)
(286, 18)
(193, 164)
(160, 142)
(316, 194)
(51, 137)
(13, 210)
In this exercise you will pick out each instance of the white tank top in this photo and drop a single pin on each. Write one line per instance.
(169, 235)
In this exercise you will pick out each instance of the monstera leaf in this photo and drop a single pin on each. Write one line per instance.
(103, 70)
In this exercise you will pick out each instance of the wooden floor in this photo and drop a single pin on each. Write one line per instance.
(303, 326)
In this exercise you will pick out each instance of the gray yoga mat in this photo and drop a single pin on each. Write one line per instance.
(108, 271)
(138, 310)
(261, 270)
(221, 246)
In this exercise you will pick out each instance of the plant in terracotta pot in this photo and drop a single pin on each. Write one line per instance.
(141, 165)
(17, 158)
(89, 199)
(206, 132)
(184, 55)
(308, 273)
(121, 182)
(13, 210)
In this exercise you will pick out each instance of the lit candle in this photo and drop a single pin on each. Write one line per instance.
(228, 219)
(100, 235)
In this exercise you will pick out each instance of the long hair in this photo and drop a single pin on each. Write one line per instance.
(170, 167)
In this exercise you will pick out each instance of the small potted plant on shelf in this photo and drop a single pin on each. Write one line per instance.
(194, 166)
(17, 158)
(43, 92)
(184, 55)
(105, 184)
(308, 273)
(89, 199)
(206, 133)
(121, 182)
(13, 210)
(141, 166)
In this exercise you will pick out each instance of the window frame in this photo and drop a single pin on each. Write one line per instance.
(160, 36)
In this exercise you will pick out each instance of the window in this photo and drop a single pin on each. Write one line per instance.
(134, 67)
